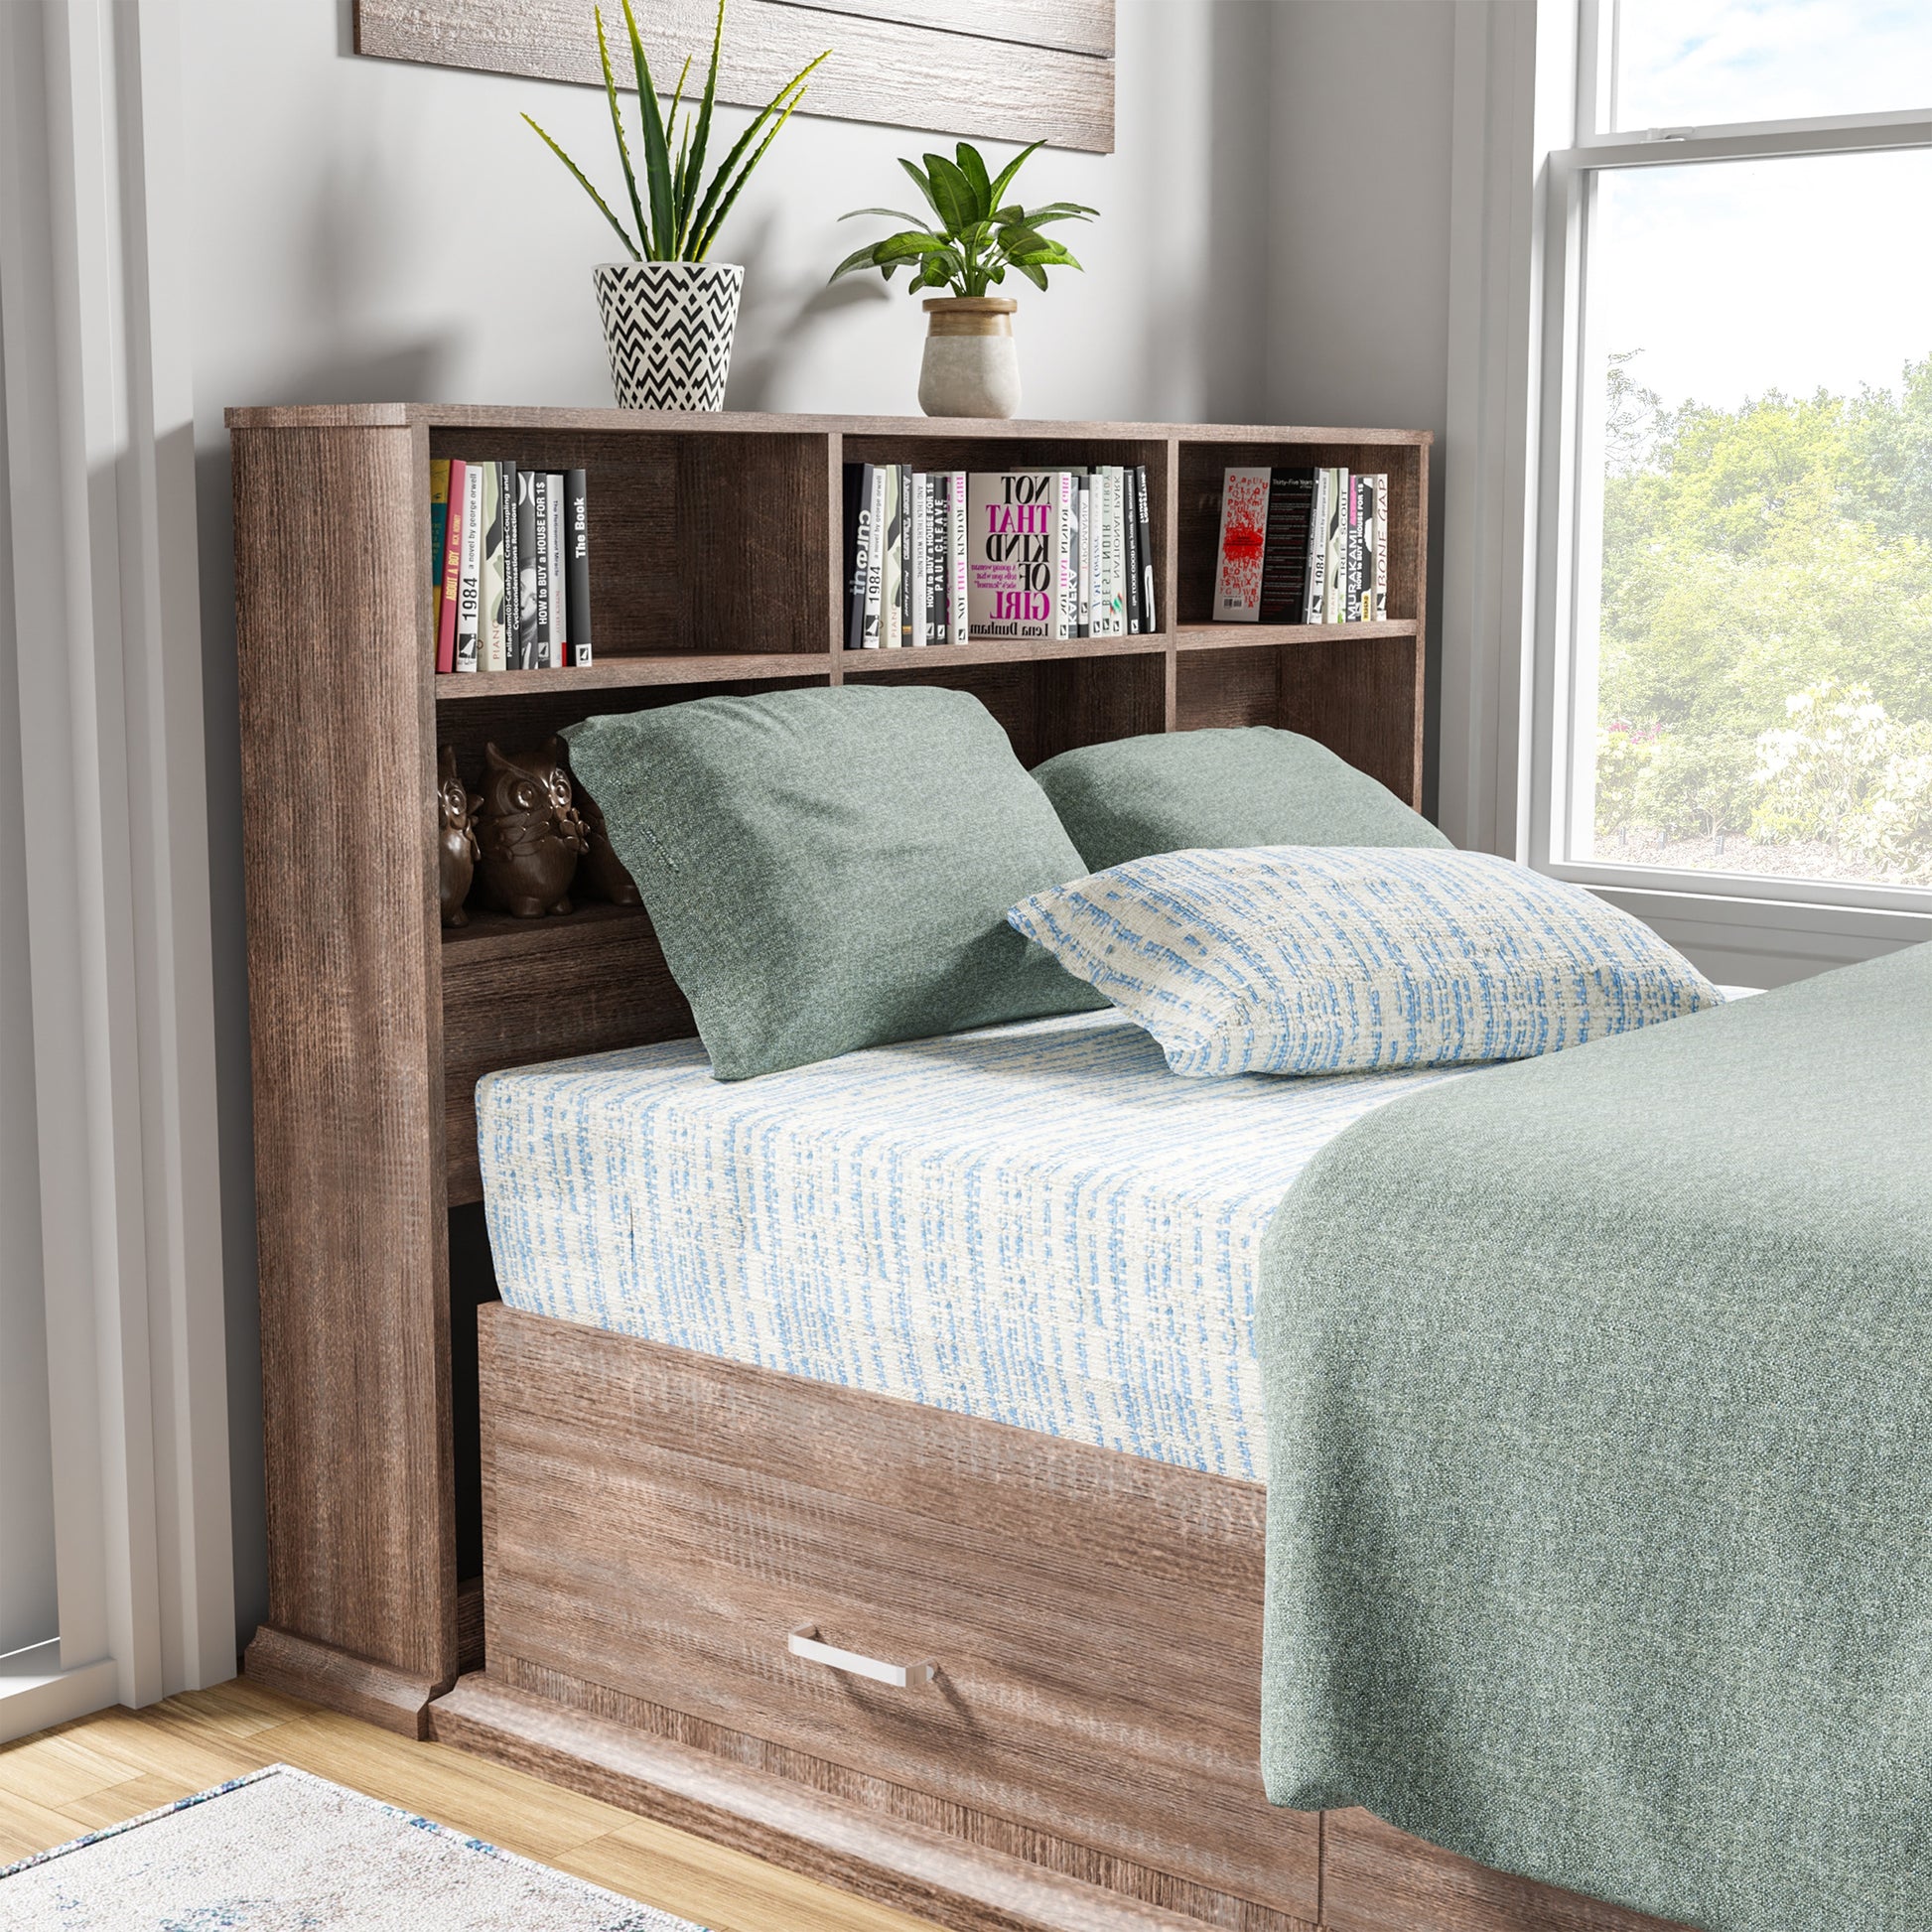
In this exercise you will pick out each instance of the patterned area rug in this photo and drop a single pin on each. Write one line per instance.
(280, 1850)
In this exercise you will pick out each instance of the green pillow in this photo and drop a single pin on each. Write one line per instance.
(831, 869)
(1179, 791)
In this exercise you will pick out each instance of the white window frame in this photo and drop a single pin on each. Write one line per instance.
(1531, 129)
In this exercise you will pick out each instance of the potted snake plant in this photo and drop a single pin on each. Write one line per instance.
(971, 366)
(669, 311)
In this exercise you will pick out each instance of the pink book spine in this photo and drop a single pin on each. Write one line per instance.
(452, 570)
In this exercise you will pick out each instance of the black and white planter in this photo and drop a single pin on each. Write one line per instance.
(669, 327)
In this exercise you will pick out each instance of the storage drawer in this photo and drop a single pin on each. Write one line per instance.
(658, 1524)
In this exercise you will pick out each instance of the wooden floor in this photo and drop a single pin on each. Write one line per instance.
(117, 1764)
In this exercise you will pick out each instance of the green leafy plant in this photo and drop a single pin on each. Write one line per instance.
(684, 217)
(979, 235)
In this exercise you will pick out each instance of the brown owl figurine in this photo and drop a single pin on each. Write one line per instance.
(531, 833)
(456, 845)
(602, 874)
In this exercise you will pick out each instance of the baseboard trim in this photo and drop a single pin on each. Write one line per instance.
(30, 1703)
(904, 1865)
(357, 1686)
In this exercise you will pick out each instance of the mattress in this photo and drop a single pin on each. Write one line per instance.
(1036, 1224)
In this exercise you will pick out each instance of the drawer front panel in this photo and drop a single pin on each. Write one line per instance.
(661, 1523)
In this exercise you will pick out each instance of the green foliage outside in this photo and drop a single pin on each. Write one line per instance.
(1766, 666)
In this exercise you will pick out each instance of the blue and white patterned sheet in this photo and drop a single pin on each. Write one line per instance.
(1035, 1224)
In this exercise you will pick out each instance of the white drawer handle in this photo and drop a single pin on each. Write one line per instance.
(803, 1642)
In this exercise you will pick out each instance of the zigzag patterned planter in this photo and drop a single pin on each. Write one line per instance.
(669, 327)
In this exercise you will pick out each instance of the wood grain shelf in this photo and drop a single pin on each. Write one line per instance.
(1246, 636)
(627, 674)
(371, 1024)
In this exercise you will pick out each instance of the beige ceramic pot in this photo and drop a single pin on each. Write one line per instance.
(972, 363)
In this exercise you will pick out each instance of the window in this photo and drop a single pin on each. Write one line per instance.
(1739, 677)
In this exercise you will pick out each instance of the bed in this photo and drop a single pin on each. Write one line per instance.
(892, 1431)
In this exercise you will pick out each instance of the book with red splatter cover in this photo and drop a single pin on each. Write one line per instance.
(1244, 539)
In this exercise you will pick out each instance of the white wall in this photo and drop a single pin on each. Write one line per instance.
(1358, 231)
(28, 1610)
(367, 230)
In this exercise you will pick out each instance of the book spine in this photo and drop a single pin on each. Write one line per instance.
(576, 615)
(439, 536)
(465, 652)
(915, 571)
(1357, 511)
(1117, 541)
(446, 614)
(1313, 612)
(537, 565)
(907, 553)
(1129, 535)
(1066, 565)
(513, 574)
(1149, 617)
(939, 603)
(1335, 555)
(557, 641)
(956, 622)
(857, 497)
(1381, 594)
(875, 551)
(1083, 549)
(490, 614)
(1285, 560)
(1244, 532)
(525, 577)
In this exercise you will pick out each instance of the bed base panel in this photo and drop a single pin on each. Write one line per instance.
(657, 1523)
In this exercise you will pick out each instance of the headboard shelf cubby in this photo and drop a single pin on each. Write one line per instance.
(716, 567)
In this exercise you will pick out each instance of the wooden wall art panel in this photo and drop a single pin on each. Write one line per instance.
(999, 69)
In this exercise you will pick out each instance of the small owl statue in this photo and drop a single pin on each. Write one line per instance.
(531, 835)
(456, 845)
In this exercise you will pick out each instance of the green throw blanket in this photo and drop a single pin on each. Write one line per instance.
(1600, 1510)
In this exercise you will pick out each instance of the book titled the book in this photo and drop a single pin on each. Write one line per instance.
(467, 644)
(439, 528)
(1285, 554)
(1244, 538)
(577, 611)
(458, 485)
(1015, 562)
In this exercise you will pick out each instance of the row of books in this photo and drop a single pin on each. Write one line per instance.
(948, 557)
(1303, 546)
(510, 562)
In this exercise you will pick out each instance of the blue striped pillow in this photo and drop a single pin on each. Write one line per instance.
(1328, 959)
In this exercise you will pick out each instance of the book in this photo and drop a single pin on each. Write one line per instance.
(523, 576)
(1352, 597)
(1114, 528)
(1016, 563)
(906, 553)
(1284, 551)
(939, 507)
(457, 484)
(1334, 592)
(439, 529)
(875, 555)
(956, 624)
(1147, 609)
(1130, 531)
(1316, 607)
(1379, 596)
(1244, 535)
(513, 578)
(1067, 520)
(466, 645)
(556, 550)
(490, 577)
(577, 609)
(918, 560)
(889, 558)
(858, 550)
(537, 564)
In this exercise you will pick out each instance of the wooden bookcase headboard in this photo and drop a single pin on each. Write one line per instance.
(716, 566)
